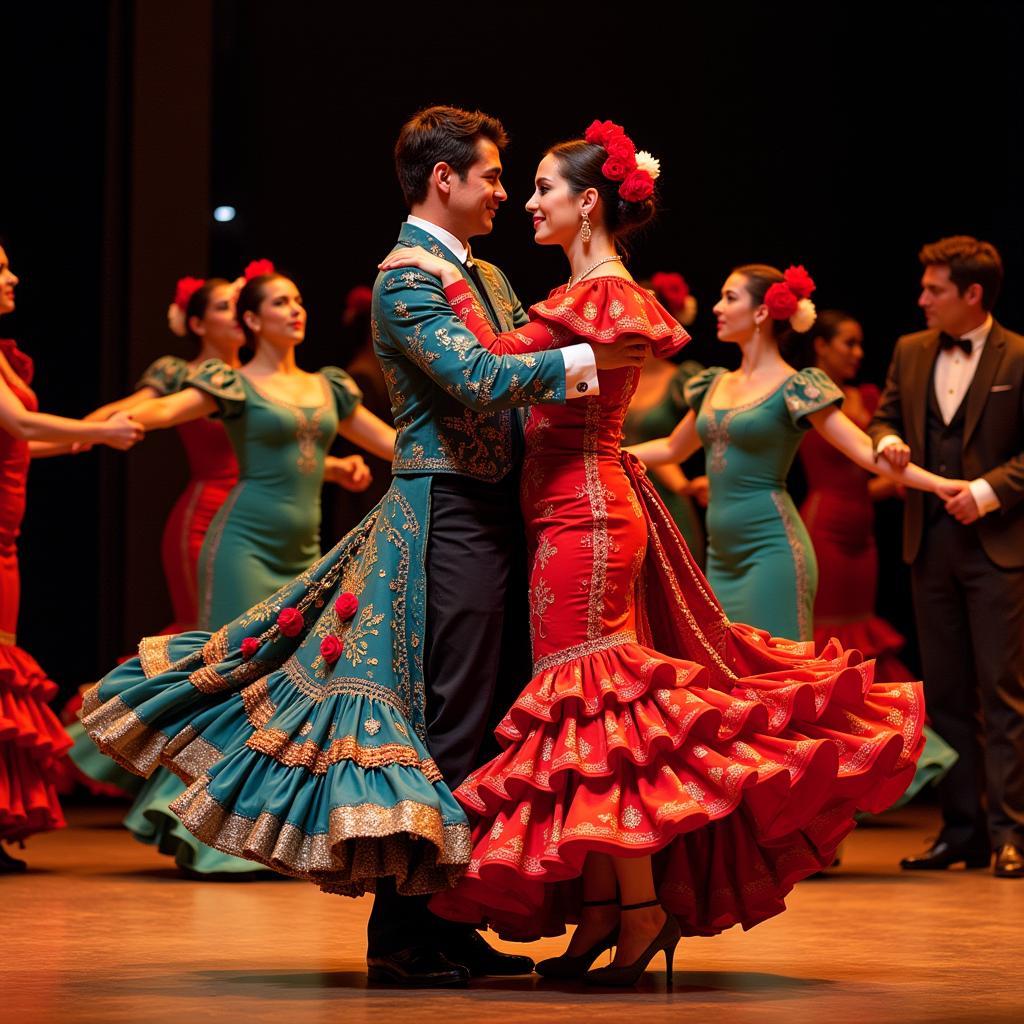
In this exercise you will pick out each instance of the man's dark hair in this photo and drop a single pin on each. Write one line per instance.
(969, 262)
(441, 135)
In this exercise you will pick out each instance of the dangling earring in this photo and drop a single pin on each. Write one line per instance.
(585, 231)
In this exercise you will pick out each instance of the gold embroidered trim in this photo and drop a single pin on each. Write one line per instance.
(215, 650)
(583, 650)
(154, 655)
(319, 689)
(362, 843)
(277, 744)
(208, 680)
(599, 514)
(119, 732)
(804, 599)
(8, 639)
(718, 430)
(307, 428)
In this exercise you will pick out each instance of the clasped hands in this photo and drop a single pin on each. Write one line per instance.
(957, 494)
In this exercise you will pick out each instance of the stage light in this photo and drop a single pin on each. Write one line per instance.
(224, 213)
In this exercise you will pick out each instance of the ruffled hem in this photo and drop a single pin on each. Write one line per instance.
(332, 786)
(151, 821)
(31, 741)
(738, 793)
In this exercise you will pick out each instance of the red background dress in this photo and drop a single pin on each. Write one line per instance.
(652, 724)
(840, 517)
(31, 736)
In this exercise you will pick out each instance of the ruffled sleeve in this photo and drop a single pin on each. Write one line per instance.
(222, 384)
(166, 376)
(697, 386)
(604, 309)
(347, 395)
(807, 392)
(20, 363)
(677, 387)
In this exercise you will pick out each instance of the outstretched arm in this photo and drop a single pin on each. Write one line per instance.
(187, 404)
(842, 433)
(26, 425)
(677, 447)
(370, 432)
(104, 412)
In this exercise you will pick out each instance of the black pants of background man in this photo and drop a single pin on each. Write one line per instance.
(970, 623)
(476, 597)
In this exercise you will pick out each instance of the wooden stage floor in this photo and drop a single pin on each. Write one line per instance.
(103, 929)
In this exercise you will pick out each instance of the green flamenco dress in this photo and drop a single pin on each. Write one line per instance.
(659, 421)
(761, 563)
(266, 533)
(299, 726)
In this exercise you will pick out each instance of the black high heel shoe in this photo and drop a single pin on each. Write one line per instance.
(565, 966)
(665, 941)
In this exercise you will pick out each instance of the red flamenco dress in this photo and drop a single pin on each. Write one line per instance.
(31, 736)
(652, 724)
(840, 518)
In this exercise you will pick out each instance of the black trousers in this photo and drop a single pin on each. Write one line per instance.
(970, 623)
(476, 659)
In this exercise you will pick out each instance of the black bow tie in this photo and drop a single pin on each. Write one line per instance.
(948, 341)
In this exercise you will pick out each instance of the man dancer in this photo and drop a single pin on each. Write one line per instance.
(454, 408)
(954, 402)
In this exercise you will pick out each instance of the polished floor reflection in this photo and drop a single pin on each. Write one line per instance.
(102, 929)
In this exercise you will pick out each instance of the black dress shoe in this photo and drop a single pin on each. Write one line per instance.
(417, 966)
(473, 953)
(1009, 862)
(943, 854)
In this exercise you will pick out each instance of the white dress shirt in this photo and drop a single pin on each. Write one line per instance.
(580, 365)
(954, 371)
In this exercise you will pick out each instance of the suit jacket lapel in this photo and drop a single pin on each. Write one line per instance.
(988, 364)
(412, 235)
(927, 354)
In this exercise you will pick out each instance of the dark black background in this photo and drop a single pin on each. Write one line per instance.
(837, 138)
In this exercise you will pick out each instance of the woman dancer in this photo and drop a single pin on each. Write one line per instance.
(659, 403)
(761, 564)
(840, 518)
(653, 724)
(280, 421)
(204, 312)
(31, 736)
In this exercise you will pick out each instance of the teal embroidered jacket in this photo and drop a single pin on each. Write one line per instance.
(452, 401)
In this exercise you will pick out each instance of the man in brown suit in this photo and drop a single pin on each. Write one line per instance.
(954, 403)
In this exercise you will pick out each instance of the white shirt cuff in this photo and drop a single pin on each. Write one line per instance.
(984, 497)
(889, 439)
(580, 371)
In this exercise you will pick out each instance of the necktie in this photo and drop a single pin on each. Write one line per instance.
(948, 341)
(474, 272)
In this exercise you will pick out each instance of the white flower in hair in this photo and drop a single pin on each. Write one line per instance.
(176, 320)
(803, 319)
(648, 163)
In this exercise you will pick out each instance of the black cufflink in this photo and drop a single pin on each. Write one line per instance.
(582, 386)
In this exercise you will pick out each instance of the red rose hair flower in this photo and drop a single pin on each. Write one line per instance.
(637, 187)
(801, 284)
(600, 132)
(250, 645)
(615, 168)
(330, 648)
(185, 289)
(346, 605)
(257, 268)
(781, 301)
(290, 621)
(671, 289)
